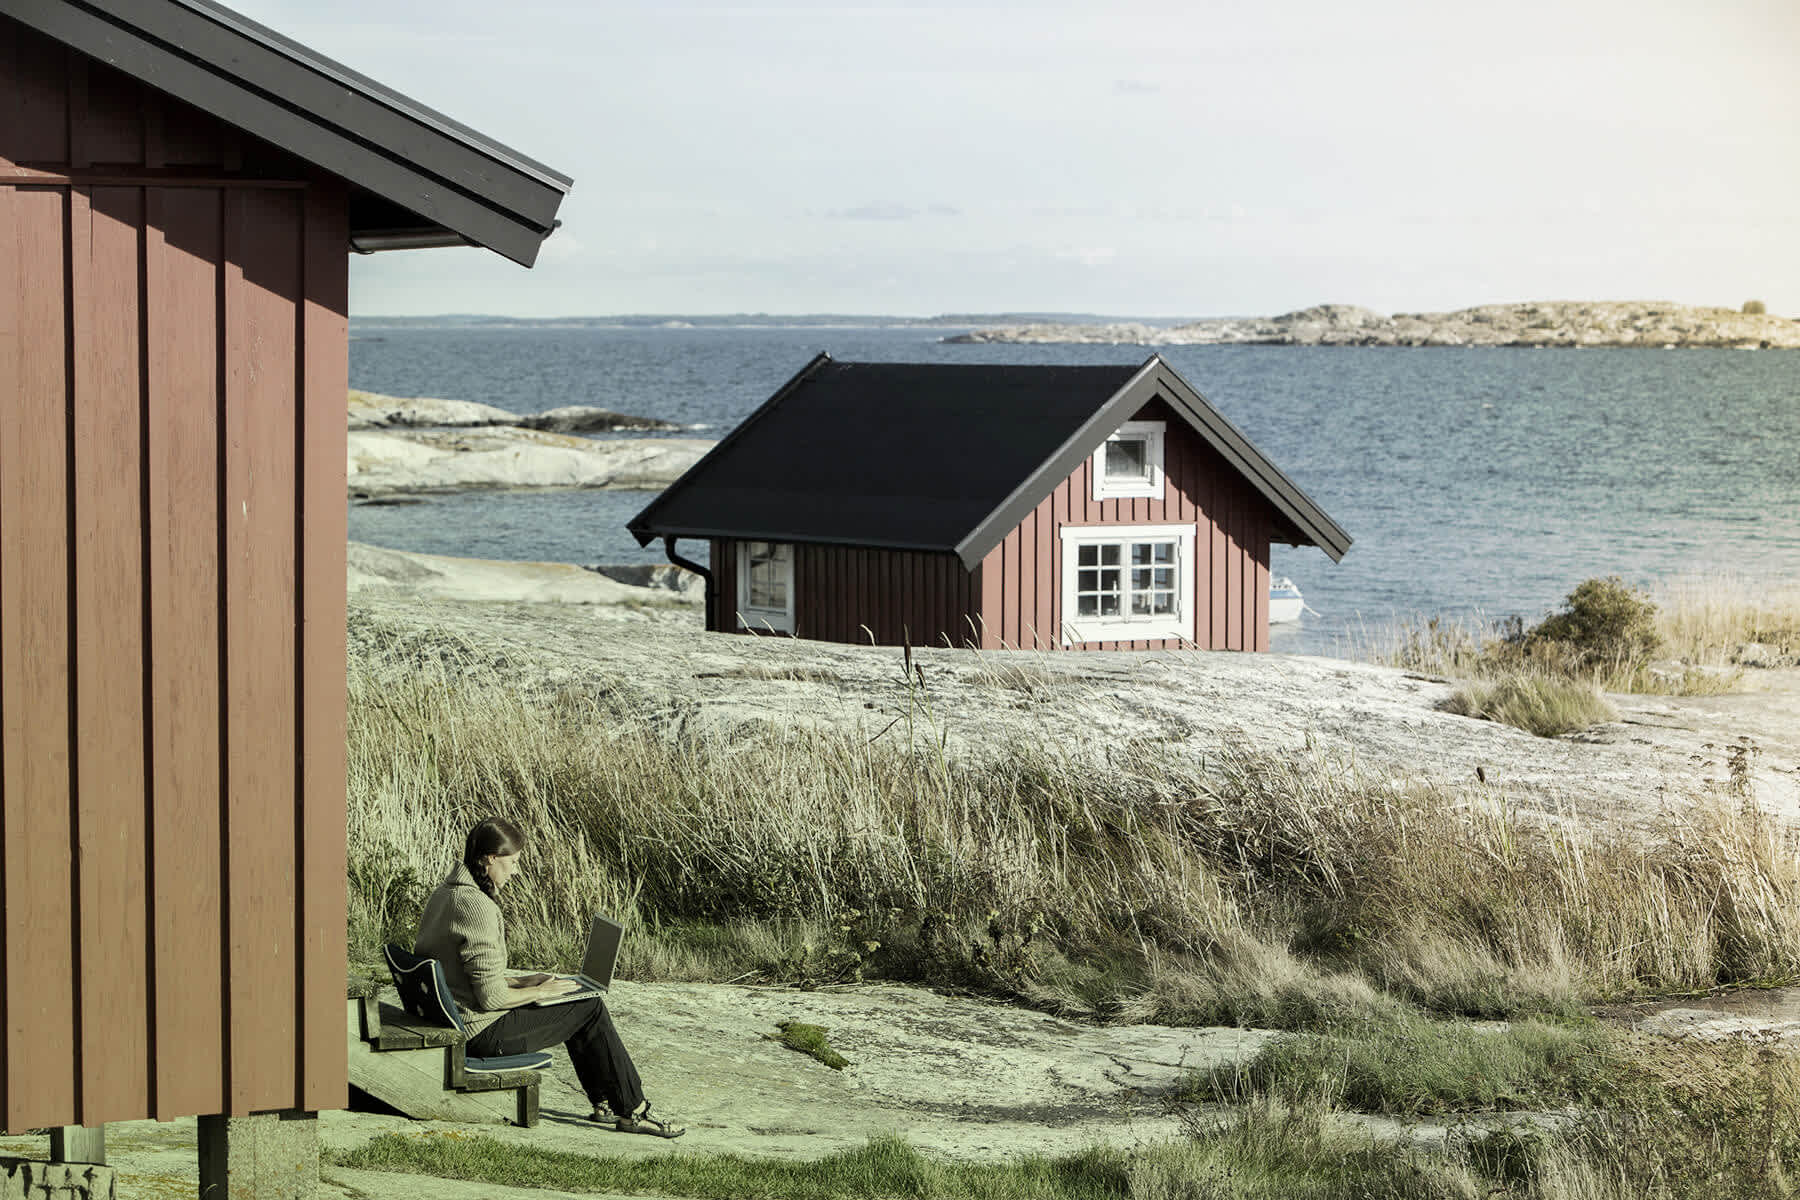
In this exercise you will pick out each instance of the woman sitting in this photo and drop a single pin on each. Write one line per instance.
(463, 929)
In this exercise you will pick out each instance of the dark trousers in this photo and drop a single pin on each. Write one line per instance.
(601, 1062)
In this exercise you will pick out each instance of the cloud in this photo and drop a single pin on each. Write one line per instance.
(1135, 87)
(891, 212)
(1098, 256)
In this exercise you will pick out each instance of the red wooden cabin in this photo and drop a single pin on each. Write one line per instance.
(992, 506)
(179, 191)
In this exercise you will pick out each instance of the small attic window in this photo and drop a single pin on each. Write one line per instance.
(1130, 462)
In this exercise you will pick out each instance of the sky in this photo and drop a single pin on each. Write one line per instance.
(1191, 159)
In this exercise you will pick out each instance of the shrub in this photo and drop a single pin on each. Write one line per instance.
(1755, 308)
(1604, 624)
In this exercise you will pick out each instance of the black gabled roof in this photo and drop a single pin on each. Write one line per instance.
(936, 456)
(417, 176)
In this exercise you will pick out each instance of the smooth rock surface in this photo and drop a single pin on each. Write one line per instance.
(1650, 323)
(578, 418)
(1660, 753)
(372, 410)
(959, 1077)
(385, 463)
(656, 576)
(375, 569)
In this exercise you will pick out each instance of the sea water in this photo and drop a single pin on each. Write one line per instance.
(1477, 483)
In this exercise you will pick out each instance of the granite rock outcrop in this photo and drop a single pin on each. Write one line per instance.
(1653, 324)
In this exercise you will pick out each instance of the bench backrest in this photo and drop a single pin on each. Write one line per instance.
(424, 991)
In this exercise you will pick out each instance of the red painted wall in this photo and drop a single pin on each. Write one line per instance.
(1020, 580)
(1013, 599)
(173, 361)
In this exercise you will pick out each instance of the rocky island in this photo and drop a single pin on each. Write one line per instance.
(423, 445)
(1653, 324)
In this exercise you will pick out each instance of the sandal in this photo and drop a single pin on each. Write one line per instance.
(642, 1122)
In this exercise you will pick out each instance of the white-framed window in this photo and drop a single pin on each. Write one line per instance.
(765, 586)
(1127, 582)
(1130, 462)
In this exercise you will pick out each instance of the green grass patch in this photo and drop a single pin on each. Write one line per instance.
(810, 1041)
(1264, 1155)
(1546, 705)
(1412, 1065)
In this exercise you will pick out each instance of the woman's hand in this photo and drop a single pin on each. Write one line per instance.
(525, 991)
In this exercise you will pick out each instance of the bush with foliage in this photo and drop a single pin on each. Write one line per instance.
(1605, 623)
(1755, 308)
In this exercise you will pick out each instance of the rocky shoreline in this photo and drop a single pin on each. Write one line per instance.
(431, 445)
(1647, 324)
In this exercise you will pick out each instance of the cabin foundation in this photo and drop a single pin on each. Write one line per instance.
(267, 1156)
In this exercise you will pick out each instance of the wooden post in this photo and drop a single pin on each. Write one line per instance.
(78, 1144)
(268, 1156)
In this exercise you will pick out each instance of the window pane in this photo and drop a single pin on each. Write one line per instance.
(1127, 458)
(1163, 578)
(1140, 604)
(768, 586)
(768, 572)
(1164, 552)
(1109, 604)
(1087, 556)
(1087, 606)
(1140, 579)
(1109, 555)
(1109, 581)
(1140, 552)
(1165, 603)
(1087, 581)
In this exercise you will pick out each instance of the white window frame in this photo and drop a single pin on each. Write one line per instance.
(1132, 488)
(765, 620)
(1126, 628)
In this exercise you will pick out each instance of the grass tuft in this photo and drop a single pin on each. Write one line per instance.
(810, 1041)
(1545, 705)
(1408, 1064)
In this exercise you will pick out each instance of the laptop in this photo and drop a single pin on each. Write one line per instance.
(597, 964)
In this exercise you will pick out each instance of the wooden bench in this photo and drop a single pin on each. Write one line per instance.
(420, 1067)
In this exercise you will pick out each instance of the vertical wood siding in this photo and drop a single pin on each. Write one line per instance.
(865, 595)
(172, 512)
(1013, 600)
(1019, 582)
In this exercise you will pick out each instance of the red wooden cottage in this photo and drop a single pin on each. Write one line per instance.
(1047, 507)
(179, 192)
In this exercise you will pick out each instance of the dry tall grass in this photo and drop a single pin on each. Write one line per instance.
(1249, 888)
(1704, 618)
(1701, 622)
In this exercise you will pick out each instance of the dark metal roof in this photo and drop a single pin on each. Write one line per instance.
(937, 456)
(415, 173)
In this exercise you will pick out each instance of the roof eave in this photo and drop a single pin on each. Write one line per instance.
(743, 534)
(1268, 479)
(326, 115)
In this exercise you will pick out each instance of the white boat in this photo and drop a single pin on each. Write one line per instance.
(1285, 601)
